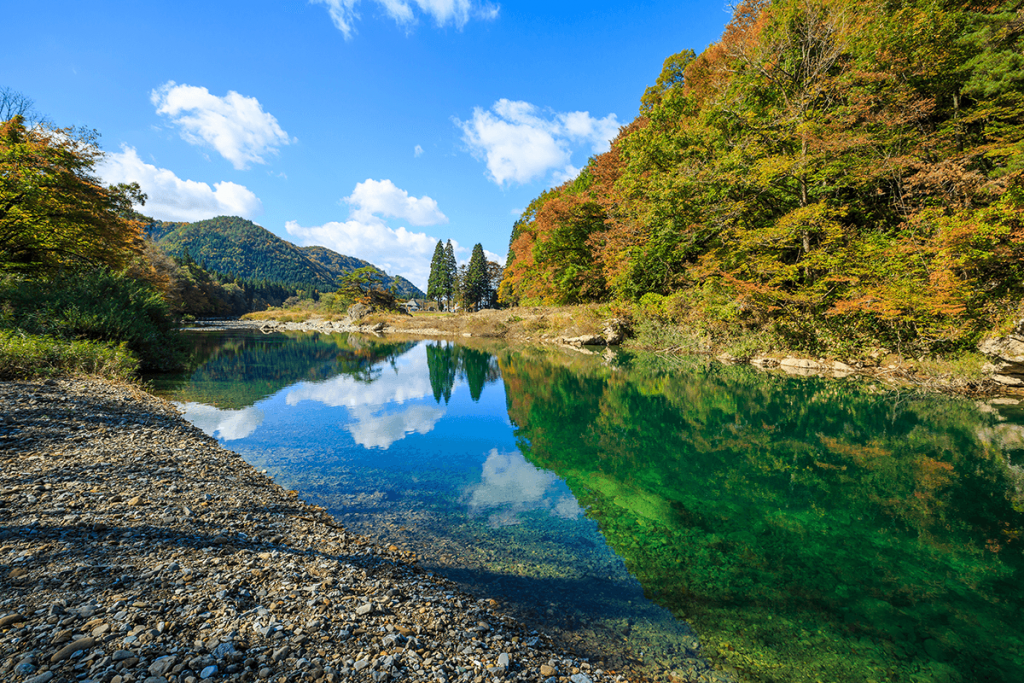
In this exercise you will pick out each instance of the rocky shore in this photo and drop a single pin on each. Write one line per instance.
(134, 549)
(1002, 375)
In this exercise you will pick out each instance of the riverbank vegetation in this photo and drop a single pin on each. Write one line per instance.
(837, 177)
(72, 293)
(84, 287)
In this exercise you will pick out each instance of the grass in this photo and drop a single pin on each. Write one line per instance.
(100, 306)
(26, 356)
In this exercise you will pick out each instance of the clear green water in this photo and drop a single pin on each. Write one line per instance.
(806, 529)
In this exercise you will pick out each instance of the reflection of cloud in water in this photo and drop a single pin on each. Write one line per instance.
(410, 382)
(371, 426)
(567, 508)
(512, 485)
(381, 430)
(228, 424)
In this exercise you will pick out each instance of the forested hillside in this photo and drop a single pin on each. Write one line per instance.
(841, 173)
(341, 265)
(235, 246)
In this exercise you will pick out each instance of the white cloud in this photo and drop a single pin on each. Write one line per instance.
(491, 256)
(367, 236)
(417, 151)
(382, 197)
(443, 12)
(172, 199)
(521, 143)
(395, 251)
(234, 125)
(230, 425)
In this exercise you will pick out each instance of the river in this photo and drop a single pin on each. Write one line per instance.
(649, 511)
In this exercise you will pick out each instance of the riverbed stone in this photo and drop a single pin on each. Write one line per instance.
(162, 665)
(256, 584)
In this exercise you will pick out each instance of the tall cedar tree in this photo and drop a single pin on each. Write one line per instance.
(450, 282)
(476, 284)
(435, 283)
(54, 212)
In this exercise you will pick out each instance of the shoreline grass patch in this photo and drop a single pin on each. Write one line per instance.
(25, 356)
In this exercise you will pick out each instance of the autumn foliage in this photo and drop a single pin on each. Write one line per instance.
(844, 172)
(55, 214)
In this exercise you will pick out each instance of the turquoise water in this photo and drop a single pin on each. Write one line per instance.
(654, 512)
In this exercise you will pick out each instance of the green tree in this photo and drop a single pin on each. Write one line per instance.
(476, 285)
(450, 281)
(358, 282)
(495, 273)
(435, 283)
(672, 76)
(54, 212)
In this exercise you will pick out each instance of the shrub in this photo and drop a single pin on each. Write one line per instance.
(99, 305)
(24, 355)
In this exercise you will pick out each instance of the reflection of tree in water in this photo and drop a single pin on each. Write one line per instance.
(447, 361)
(441, 362)
(809, 529)
(236, 370)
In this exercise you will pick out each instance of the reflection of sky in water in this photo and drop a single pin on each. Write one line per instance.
(387, 450)
(373, 426)
(379, 429)
(409, 381)
(227, 425)
(510, 485)
(356, 421)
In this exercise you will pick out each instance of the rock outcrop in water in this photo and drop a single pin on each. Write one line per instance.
(1006, 357)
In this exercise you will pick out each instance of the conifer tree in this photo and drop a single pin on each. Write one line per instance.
(435, 283)
(475, 287)
(451, 274)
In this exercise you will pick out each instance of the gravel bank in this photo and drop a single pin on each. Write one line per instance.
(133, 548)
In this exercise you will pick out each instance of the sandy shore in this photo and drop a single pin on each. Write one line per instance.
(133, 548)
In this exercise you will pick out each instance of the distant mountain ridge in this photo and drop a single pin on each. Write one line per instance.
(229, 244)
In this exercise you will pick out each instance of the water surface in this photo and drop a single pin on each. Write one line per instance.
(806, 529)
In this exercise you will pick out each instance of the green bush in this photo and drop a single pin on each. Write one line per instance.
(25, 355)
(651, 334)
(100, 306)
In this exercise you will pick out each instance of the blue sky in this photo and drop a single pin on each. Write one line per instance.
(372, 127)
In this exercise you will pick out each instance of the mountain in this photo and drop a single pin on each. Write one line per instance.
(232, 245)
(342, 265)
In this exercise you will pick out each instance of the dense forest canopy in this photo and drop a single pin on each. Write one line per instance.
(842, 172)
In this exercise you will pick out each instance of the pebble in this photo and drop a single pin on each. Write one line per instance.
(71, 648)
(105, 577)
